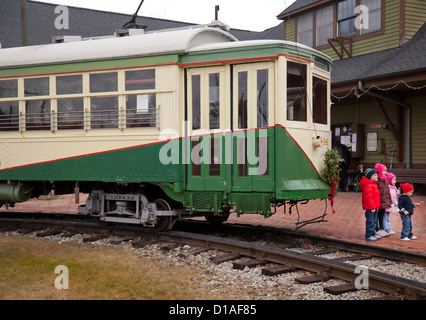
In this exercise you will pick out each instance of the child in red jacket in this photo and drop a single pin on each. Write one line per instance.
(370, 202)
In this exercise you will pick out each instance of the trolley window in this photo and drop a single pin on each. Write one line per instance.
(36, 87)
(140, 79)
(8, 88)
(296, 91)
(69, 84)
(215, 157)
(9, 116)
(242, 100)
(196, 102)
(71, 113)
(104, 112)
(103, 82)
(214, 100)
(37, 115)
(262, 98)
(141, 111)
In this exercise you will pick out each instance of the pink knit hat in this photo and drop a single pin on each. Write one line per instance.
(380, 168)
(389, 177)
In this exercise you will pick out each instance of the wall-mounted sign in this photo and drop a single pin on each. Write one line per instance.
(372, 142)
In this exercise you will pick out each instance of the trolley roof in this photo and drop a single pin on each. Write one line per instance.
(170, 41)
(189, 40)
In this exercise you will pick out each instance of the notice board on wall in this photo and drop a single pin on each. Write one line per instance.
(351, 135)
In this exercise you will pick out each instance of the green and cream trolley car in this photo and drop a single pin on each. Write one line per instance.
(163, 124)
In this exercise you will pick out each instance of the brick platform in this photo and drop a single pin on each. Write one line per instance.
(347, 223)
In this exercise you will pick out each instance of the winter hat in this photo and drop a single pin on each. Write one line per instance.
(406, 187)
(380, 168)
(389, 177)
(369, 172)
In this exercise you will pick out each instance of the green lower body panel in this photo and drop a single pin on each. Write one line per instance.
(134, 164)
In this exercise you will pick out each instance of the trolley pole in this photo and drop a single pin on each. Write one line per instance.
(24, 23)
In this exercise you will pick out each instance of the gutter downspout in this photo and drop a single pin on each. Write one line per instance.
(399, 103)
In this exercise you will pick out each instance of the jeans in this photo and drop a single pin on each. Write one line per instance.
(406, 226)
(370, 223)
(380, 223)
(386, 222)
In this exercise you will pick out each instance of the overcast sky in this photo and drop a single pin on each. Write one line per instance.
(251, 15)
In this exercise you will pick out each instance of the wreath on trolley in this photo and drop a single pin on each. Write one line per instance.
(331, 171)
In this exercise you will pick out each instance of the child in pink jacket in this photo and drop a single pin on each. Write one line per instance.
(391, 178)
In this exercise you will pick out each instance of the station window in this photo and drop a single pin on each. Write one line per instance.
(69, 84)
(141, 111)
(140, 79)
(103, 82)
(70, 113)
(296, 91)
(196, 102)
(9, 116)
(104, 112)
(319, 92)
(36, 87)
(37, 115)
(262, 98)
(242, 100)
(8, 88)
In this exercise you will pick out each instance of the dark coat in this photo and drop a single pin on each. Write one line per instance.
(405, 202)
(385, 196)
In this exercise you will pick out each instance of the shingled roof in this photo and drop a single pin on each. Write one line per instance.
(299, 4)
(88, 23)
(408, 58)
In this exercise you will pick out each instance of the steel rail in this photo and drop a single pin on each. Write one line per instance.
(330, 242)
(377, 280)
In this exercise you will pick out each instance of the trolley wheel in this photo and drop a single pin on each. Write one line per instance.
(163, 223)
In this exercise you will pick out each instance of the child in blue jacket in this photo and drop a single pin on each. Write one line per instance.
(406, 210)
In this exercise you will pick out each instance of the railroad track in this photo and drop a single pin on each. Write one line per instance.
(245, 254)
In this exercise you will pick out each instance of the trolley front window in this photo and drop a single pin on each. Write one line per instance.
(319, 92)
(296, 91)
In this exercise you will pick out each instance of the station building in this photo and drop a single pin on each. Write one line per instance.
(378, 78)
